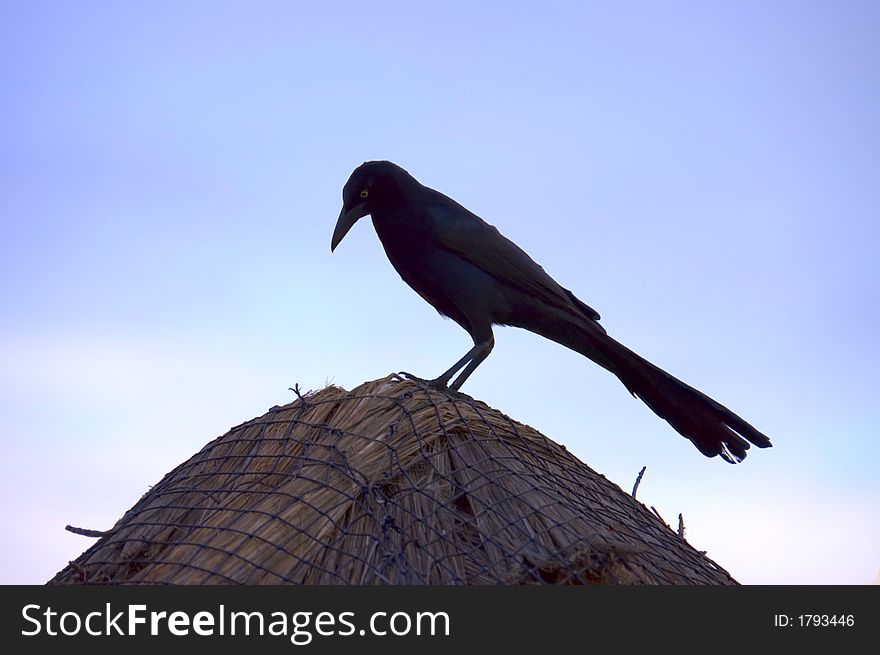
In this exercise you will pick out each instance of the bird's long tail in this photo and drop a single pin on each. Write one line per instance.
(713, 429)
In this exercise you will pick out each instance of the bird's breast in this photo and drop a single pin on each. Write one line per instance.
(414, 255)
(454, 286)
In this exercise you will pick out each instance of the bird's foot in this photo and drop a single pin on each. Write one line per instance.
(415, 378)
(438, 384)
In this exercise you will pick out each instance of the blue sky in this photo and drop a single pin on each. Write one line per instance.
(704, 174)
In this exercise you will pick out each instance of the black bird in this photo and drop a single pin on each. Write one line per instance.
(471, 273)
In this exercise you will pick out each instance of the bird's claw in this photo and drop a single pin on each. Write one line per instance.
(437, 384)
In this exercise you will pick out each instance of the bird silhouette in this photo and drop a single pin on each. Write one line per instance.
(471, 273)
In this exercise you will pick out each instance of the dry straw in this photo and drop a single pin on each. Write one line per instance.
(391, 483)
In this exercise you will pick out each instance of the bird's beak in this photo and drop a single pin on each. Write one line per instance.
(347, 218)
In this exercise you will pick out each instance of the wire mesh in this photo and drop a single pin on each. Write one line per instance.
(391, 483)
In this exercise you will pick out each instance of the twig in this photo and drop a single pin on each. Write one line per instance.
(295, 389)
(681, 526)
(638, 481)
(86, 533)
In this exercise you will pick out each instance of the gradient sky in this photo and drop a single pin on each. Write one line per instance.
(706, 175)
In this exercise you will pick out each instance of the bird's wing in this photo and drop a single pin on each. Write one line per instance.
(464, 233)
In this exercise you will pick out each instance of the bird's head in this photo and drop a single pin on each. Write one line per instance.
(371, 184)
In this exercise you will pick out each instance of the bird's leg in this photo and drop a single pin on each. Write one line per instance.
(478, 353)
(443, 381)
(472, 358)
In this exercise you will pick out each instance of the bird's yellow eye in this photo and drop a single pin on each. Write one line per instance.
(364, 193)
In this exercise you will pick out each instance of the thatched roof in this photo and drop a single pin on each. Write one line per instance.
(388, 483)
